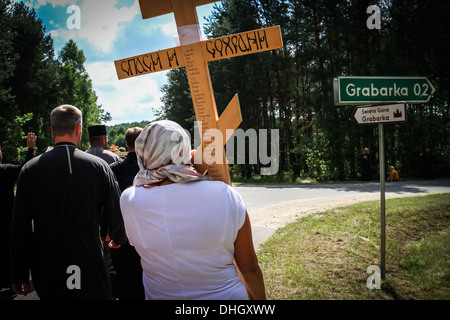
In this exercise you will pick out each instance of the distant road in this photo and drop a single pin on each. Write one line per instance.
(261, 196)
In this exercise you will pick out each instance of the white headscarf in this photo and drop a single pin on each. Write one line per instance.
(163, 150)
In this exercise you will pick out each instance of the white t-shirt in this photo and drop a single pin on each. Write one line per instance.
(185, 236)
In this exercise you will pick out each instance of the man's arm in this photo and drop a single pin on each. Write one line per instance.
(31, 144)
(111, 207)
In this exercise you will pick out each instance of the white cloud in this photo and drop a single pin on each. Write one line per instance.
(36, 4)
(127, 100)
(130, 99)
(55, 3)
(169, 28)
(100, 21)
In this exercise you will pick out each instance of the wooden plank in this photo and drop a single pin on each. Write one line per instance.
(230, 118)
(184, 12)
(154, 8)
(205, 111)
(242, 43)
(194, 56)
(214, 49)
(149, 63)
(198, 3)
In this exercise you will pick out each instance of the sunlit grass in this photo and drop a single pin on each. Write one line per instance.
(326, 255)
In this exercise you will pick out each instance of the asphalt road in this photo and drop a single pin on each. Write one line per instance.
(263, 196)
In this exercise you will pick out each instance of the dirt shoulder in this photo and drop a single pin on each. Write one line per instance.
(266, 221)
(280, 215)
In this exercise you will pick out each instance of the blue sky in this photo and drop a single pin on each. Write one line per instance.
(112, 30)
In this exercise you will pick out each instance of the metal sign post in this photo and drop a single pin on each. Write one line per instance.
(381, 114)
(369, 90)
(382, 200)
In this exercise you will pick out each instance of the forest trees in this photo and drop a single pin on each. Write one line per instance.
(116, 133)
(291, 89)
(26, 56)
(33, 81)
(76, 88)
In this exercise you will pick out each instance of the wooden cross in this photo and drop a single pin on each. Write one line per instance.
(194, 55)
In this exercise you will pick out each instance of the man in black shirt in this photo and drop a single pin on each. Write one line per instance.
(61, 197)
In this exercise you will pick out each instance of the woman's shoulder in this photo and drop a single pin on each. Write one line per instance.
(212, 188)
(212, 185)
(203, 187)
(128, 193)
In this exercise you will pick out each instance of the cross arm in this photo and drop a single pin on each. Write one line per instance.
(230, 119)
(213, 49)
(155, 8)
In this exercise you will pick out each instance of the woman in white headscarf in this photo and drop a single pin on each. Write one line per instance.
(187, 229)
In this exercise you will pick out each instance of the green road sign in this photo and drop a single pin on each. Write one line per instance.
(357, 90)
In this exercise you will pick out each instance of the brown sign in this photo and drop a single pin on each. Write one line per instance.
(380, 113)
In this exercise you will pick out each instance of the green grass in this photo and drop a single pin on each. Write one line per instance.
(326, 255)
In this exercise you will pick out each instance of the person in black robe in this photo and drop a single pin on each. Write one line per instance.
(366, 168)
(426, 164)
(55, 231)
(8, 177)
(98, 138)
(126, 260)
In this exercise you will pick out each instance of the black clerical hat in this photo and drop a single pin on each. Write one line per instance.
(97, 130)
